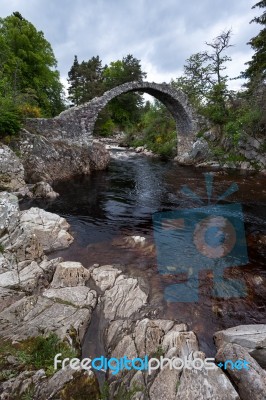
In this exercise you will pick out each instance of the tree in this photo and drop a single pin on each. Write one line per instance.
(205, 82)
(86, 80)
(125, 110)
(257, 66)
(121, 71)
(28, 65)
(204, 70)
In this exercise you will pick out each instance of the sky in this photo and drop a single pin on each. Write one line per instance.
(162, 34)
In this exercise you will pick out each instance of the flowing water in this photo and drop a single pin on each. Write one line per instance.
(108, 207)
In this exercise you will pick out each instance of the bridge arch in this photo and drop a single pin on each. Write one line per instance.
(76, 124)
(175, 101)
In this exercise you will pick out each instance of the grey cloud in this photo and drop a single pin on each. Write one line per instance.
(162, 33)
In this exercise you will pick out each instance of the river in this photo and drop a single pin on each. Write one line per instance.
(108, 207)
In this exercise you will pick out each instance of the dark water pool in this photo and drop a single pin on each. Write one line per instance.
(105, 209)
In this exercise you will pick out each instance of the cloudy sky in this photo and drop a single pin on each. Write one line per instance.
(160, 33)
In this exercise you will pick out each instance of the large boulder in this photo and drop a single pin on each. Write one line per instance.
(251, 382)
(251, 337)
(163, 338)
(50, 229)
(24, 238)
(32, 315)
(69, 273)
(205, 385)
(198, 153)
(123, 295)
(11, 170)
(44, 190)
(51, 160)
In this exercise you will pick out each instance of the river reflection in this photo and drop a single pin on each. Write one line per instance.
(104, 210)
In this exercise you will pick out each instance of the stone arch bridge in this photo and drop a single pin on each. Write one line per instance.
(76, 124)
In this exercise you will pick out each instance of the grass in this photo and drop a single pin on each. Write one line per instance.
(125, 394)
(33, 354)
(158, 353)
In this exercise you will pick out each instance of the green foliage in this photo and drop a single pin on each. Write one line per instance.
(10, 118)
(9, 123)
(125, 109)
(121, 71)
(257, 65)
(157, 131)
(27, 64)
(82, 387)
(89, 79)
(127, 394)
(85, 80)
(35, 353)
(28, 394)
(2, 249)
(105, 392)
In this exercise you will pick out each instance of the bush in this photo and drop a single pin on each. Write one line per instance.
(29, 111)
(10, 123)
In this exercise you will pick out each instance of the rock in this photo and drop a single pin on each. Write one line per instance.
(9, 279)
(62, 385)
(19, 386)
(25, 235)
(32, 275)
(70, 273)
(99, 156)
(43, 189)
(67, 384)
(168, 339)
(48, 159)
(33, 315)
(151, 334)
(165, 384)
(8, 296)
(198, 153)
(11, 170)
(50, 229)
(185, 342)
(205, 385)
(105, 276)
(251, 337)
(9, 213)
(124, 297)
(79, 296)
(250, 383)
(17, 244)
(139, 149)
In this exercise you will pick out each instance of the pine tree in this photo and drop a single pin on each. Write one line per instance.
(257, 66)
(86, 80)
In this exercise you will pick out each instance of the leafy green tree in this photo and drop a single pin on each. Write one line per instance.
(205, 82)
(28, 64)
(85, 80)
(121, 71)
(157, 130)
(125, 110)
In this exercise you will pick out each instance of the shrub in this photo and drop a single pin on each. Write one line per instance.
(10, 123)
(29, 111)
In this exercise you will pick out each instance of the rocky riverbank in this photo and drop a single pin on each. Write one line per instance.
(32, 158)
(42, 296)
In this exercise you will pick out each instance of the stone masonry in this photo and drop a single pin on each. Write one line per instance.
(76, 124)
